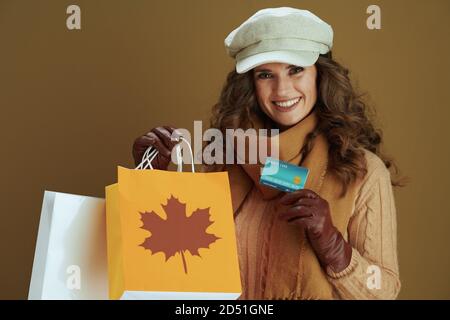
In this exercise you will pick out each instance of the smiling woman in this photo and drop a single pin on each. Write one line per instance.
(319, 242)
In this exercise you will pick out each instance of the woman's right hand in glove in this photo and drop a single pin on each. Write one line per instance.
(160, 139)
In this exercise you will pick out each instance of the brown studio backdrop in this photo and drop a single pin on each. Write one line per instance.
(72, 103)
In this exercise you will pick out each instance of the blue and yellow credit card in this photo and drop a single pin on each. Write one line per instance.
(283, 175)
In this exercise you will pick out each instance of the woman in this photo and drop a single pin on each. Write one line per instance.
(336, 238)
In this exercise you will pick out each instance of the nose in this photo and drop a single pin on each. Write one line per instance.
(282, 87)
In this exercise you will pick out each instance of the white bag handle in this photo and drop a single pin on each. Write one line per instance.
(150, 154)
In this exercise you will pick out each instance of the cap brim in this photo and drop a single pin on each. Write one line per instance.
(298, 58)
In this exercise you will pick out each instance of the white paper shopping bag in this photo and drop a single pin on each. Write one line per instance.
(70, 257)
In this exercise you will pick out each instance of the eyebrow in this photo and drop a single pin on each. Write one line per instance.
(268, 70)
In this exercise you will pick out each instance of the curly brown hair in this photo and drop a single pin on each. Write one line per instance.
(345, 119)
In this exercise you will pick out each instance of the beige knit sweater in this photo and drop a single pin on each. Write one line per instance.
(373, 272)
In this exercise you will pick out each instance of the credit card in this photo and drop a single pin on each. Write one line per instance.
(283, 175)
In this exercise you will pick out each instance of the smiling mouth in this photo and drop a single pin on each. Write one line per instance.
(288, 105)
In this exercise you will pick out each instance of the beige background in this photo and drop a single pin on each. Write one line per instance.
(72, 103)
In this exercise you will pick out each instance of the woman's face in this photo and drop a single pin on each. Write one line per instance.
(286, 93)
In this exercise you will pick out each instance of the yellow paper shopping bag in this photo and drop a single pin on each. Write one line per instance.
(170, 235)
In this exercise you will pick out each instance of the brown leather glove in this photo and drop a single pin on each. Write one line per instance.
(160, 139)
(310, 211)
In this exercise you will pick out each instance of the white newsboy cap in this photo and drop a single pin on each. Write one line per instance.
(285, 35)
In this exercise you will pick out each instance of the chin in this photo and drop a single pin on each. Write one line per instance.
(285, 119)
(289, 122)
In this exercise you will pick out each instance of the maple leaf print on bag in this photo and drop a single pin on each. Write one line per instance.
(178, 232)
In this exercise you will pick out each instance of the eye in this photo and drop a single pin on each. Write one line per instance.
(297, 69)
(263, 75)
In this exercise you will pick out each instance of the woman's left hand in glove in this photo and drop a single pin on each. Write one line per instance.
(308, 210)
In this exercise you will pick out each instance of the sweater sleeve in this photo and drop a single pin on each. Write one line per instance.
(373, 272)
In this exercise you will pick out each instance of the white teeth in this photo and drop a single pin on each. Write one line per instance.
(287, 104)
